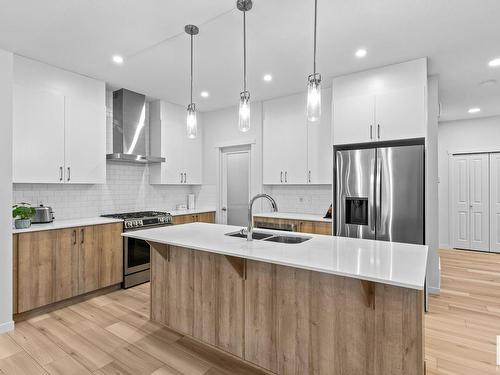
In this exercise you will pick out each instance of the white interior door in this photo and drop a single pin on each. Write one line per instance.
(460, 202)
(495, 202)
(235, 186)
(479, 202)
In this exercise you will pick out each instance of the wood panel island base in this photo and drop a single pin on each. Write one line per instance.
(284, 319)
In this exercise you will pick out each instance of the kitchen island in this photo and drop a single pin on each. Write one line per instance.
(329, 305)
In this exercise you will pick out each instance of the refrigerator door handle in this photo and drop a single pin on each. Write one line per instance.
(377, 192)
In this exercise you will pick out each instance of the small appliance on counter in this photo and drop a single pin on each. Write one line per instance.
(328, 214)
(43, 215)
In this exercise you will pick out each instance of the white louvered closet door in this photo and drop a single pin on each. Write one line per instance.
(470, 202)
(495, 202)
(460, 202)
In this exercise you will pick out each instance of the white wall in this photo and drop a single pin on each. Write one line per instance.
(482, 134)
(431, 188)
(6, 83)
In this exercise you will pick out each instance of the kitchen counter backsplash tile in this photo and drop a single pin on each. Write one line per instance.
(314, 199)
(127, 189)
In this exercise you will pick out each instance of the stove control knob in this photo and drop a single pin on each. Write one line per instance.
(139, 223)
(127, 224)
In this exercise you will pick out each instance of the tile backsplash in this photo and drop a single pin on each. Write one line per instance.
(127, 189)
(310, 199)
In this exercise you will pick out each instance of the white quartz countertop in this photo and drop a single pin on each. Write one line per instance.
(293, 216)
(382, 262)
(190, 212)
(61, 224)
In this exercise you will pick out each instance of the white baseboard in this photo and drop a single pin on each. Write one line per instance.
(445, 246)
(6, 327)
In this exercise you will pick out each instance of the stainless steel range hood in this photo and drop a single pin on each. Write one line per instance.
(129, 134)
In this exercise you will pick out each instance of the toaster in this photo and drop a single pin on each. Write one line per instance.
(43, 214)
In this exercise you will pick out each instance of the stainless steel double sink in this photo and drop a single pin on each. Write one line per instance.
(265, 236)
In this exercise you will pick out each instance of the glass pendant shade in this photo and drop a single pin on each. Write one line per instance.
(314, 97)
(191, 122)
(244, 114)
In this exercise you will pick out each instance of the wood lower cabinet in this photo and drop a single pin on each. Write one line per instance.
(55, 265)
(14, 274)
(199, 294)
(110, 252)
(288, 320)
(303, 226)
(204, 217)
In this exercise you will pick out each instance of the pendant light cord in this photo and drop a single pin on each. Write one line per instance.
(191, 68)
(244, 52)
(315, 25)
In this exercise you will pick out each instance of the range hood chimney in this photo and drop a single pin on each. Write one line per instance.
(129, 133)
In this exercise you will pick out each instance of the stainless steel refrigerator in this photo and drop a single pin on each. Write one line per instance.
(380, 193)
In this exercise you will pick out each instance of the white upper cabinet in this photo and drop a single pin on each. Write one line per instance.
(295, 151)
(85, 149)
(384, 104)
(169, 139)
(354, 119)
(38, 134)
(319, 146)
(401, 114)
(59, 133)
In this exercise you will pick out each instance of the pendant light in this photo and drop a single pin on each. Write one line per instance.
(191, 121)
(314, 81)
(244, 112)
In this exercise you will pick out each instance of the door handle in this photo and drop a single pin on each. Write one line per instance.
(82, 233)
(60, 173)
(74, 237)
(371, 131)
(185, 177)
(224, 209)
(309, 176)
(69, 173)
(378, 131)
(286, 176)
(281, 176)
(181, 178)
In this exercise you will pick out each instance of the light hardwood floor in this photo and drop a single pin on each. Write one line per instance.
(463, 322)
(111, 334)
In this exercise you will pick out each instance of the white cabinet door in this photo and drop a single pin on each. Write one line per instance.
(174, 133)
(495, 202)
(85, 145)
(38, 136)
(319, 147)
(479, 202)
(354, 120)
(285, 141)
(401, 114)
(460, 202)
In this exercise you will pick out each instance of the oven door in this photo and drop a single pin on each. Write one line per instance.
(136, 254)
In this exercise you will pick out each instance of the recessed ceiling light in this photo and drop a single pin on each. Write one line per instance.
(360, 53)
(117, 59)
(488, 83)
(204, 94)
(267, 78)
(474, 110)
(495, 62)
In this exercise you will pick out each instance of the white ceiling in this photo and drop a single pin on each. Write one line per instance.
(458, 36)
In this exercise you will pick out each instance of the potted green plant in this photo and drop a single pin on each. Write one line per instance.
(22, 212)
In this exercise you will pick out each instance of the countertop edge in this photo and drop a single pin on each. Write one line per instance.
(284, 263)
(64, 224)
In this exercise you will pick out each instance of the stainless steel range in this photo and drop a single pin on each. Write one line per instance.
(136, 256)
